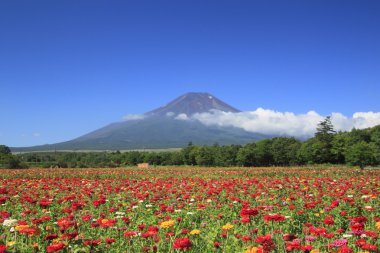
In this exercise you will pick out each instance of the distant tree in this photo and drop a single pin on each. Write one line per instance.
(338, 148)
(205, 156)
(324, 136)
(4, 150)
(226, 155)
(361, 154)
(284, 151)
(246, 155)
(177, 158)
(188, 153)
(7, 160)
(375, 135)
(325, 131)
(308, 152)
(264, 156)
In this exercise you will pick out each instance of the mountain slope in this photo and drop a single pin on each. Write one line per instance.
(160, 129)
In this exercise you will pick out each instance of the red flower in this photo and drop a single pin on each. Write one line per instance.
(289, 237)
(55, 247)
(51, 237)
(110, 240)
(345, 249)
(246, 238)
(44, 203)
(182, 243)
(2, 248)
(249, 212)
(130, 233)
(369, 247)
(329, 220)
(93, 242)
(217, 244)
(149, 234)
(274, 217)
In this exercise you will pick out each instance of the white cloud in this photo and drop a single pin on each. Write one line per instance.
(133, 117)
(272, 122)
(170, 114)
(36, 134)
(182, 116)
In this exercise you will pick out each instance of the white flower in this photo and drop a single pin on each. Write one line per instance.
(178, 210)
(192, 200)
(346, 236)
(10, 223)
(190, 213)
(148, 206)
(134, 207)
(119, 213)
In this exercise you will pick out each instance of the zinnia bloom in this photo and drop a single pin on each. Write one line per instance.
(2, 248)
(182, 243)
(195, 232)
(167, 224)
(228, 226)
(55, 247)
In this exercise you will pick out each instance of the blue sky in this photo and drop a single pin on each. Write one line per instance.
(70, 67)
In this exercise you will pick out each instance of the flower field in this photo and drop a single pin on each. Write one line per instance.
(167, 209)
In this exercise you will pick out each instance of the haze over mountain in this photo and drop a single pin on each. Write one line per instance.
(168, 126)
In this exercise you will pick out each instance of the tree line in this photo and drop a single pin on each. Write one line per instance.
(359, 147)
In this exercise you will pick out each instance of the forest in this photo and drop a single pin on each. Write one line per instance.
(358, 147)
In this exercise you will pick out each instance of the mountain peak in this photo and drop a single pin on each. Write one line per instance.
(191, 103)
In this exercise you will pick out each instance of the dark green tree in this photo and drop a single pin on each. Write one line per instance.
(205, 156)
(263, 153)
(361, 154)
(246, 155)
(284, 151)
(4, 150)
(324, 136)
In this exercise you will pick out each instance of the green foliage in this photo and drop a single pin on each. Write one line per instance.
(361, 154)
(325, 131)
(357, 147)
(9, 161)
(284, 151)
(4, 150)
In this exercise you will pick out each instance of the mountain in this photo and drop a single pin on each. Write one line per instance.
(191, 103)
(160, 128)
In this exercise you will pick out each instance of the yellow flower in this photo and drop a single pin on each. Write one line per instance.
(251, 250)
(19, 227)
(195, 232)
(317, 214)
(35, 246)
(228, 226)
(377, 225)
(315, 251)
(167, 224)
(11, 243)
